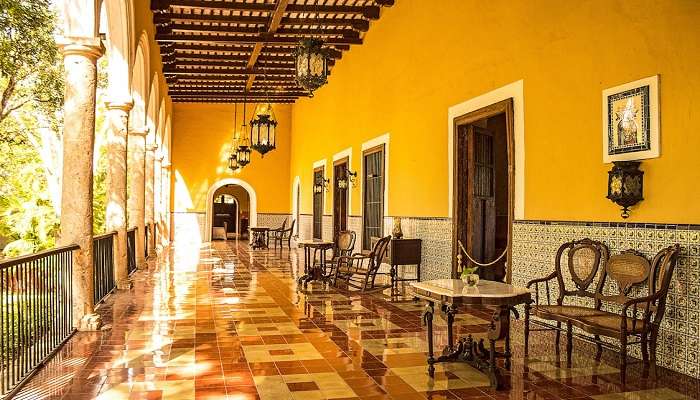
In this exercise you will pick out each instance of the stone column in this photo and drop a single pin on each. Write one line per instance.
(79, 57)
(137, 199)
(118, 114)
(157, 199)
(149, 195)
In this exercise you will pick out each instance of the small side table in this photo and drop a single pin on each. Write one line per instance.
(313, 272)
(260, 238)
(404, 252)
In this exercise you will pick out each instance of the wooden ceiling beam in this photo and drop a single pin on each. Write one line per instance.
(341, 43)
(164, 5)
(181, 47)
(361, 25)
(274, 24)
(224, 78)
(369, 12)
(230, 101)
(170, 70)
(179, 27)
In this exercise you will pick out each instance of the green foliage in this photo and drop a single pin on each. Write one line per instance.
(27, 217)
(31, 94)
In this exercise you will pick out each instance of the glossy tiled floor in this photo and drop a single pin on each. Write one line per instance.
(228, 323)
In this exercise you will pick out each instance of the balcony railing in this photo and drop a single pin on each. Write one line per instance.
(36, 312)
(131, 250)
(103, 264)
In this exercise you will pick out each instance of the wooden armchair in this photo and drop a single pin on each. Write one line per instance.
(280, 235)
(627, 316)
(360, 271)
(344, 243)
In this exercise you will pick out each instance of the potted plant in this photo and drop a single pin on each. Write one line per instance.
(469, 276)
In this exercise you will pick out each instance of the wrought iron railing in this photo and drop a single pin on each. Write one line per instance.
(36, 312)
(103, 265)
(131, 250)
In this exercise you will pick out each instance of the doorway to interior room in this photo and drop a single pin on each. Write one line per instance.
(340, 196)
(484, 189)
(230, 212)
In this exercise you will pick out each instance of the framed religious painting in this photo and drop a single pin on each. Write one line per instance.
(631, 121)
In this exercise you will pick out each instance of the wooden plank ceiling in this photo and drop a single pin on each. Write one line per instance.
(217, 50)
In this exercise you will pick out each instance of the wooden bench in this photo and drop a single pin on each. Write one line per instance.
(580, 304)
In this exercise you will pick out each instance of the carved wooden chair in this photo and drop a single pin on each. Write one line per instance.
(359, 271)
(274, 234)
(584, 260)
(280, 235)
(344, 243)
(626, 315)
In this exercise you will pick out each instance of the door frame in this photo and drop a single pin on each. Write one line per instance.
(341, 161)
(381, 147)
(322, 170)
(502, 107)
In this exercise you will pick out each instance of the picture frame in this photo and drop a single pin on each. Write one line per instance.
(631, 121)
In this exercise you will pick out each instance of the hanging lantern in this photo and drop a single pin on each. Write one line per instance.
(311, 65)
(262, 129)
(233, 162)
(243, 151)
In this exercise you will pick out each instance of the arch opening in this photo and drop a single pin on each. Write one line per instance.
(222, 184)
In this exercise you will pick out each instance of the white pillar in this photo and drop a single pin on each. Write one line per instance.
(79, 57)
(150, 195)
(158, 200)
(137, 186)
(118, 113)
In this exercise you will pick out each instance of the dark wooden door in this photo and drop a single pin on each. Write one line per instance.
(340, 198)
(225, 212)
(318, 206)
(478, 205)
(373, 196)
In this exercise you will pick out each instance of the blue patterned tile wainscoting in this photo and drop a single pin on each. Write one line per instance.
(535, 244)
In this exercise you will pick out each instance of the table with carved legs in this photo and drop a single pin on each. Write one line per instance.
(450, 294)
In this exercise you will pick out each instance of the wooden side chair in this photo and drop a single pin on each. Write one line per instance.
(280, 235)
(344, 243)
(359, 271)
(275, 233)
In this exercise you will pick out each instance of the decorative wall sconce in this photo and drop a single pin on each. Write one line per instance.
(350, 179)
(321, 185)
(625, 185)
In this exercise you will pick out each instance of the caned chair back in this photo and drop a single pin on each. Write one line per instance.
(628, 269)
(661, 273)
(584, 260)
(345, 243)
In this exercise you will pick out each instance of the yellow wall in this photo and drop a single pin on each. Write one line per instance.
(202, 136)
(422, 57)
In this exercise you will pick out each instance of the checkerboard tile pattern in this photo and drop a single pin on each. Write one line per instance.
(235, 326)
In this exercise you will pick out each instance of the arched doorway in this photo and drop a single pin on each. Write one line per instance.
(215, 188)
(231, 211)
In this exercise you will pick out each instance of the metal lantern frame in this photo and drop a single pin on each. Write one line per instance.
(311, 64)
(233, 161)
(243, 151)
(626, 185)
(263, 131)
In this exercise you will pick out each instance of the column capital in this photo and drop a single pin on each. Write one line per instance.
(90, 47)
(120, 104)
(142, 131)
